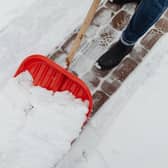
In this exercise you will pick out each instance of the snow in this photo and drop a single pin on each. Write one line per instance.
(130, 130)
(37, 126)
(10, 10)
(28, 132)
(38, 27)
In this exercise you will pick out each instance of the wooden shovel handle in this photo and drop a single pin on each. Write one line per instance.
(83, 29)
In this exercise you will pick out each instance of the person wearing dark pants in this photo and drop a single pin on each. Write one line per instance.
(146, 14)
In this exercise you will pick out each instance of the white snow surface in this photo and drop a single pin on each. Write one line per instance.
(28, 27)
(9, 10)
(35, 26)
(130, 130)
(37, 126)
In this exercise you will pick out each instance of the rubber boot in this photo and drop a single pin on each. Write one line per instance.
(113, 56)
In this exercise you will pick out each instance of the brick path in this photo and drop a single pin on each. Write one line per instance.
(106, 27)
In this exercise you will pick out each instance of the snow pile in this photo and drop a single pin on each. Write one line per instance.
(36, 125)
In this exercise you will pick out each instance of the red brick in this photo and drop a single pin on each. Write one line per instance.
(57, 54)
(138, 53)
(99, 98)
(162, 25)
(124, 69)
(120, 20)
(91, 80)
(110, 86)
(151, 38)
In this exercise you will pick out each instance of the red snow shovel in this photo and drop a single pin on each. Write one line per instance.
(51, 76)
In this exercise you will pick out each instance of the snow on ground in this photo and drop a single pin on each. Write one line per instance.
(27, 130)
(37, 127)
(9, 10)
(130, 130)
(134, 136)
(37, 28)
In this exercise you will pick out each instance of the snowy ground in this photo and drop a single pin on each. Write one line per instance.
(38, 127)
(133, 136)
(34, 27)
(130, 130)
(12, 9)
(27, 28)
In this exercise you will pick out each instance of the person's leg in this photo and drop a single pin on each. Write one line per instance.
(147, 13)
(122, 2)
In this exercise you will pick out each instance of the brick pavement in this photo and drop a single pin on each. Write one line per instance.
(106, 27)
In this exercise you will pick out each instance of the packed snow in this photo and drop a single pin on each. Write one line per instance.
(37, 126)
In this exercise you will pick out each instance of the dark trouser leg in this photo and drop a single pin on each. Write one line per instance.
(148, 12)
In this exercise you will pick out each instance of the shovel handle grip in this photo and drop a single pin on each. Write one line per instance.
(81, 33)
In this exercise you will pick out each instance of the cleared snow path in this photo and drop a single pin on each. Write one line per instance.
(130, 130)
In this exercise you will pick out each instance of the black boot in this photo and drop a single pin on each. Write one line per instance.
(122, 2)
(113, 56)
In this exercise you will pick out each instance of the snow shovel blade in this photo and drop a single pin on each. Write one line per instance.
(52, 76)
